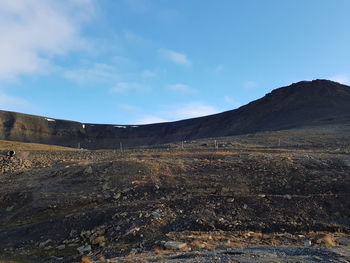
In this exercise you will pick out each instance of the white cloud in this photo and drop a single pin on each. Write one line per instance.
(151, 119)
(127, 86)
(12, 103)
(183, 88)
(175, 57)
(192, 110)
(97, 73)
(341, 78)
(179, 112)
(33, 32)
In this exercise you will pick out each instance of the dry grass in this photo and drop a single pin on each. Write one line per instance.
(21, 146)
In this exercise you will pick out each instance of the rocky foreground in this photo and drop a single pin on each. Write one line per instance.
(227, 200)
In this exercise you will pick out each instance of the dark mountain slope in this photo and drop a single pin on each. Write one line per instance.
(306, 103)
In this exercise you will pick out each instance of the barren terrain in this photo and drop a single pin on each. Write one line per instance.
(267, 197)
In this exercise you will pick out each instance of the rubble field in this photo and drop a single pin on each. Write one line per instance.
(231, 199)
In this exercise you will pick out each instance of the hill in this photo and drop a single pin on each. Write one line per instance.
(306, 103)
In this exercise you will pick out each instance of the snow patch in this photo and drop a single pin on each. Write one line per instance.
(119, 126)
(134, 126)
(83, 126)
(50, 119)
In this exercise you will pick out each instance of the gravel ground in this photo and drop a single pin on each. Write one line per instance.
(281, 254)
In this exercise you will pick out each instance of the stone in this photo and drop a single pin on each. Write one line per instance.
(88, 170)
(344, 241)
(156, 215)
(307, 243)
(174, 245)
(43, 244)
(117, 196)
(133, 231)
(73, 245)
(98, 240)
(289, 197)
(10, 208)
(61, 247)
(85, 234)
(83, 249)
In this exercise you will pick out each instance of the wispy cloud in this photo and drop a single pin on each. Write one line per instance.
(341, 78)
(33, 32)
(97, 73)
(192, 110)
(127, 86)
(183, 88)
(150, 119)
(12, 103)
(174, 57)
(179, 112)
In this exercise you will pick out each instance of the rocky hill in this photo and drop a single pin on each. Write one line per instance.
(306, 103)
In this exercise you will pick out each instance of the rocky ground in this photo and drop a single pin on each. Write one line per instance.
(271, 197)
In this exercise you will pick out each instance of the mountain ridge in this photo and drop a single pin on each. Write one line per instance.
(305, 103)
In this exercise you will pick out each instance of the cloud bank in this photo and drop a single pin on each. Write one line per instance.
(33, 32)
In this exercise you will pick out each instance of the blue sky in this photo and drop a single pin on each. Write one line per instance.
(145, 61)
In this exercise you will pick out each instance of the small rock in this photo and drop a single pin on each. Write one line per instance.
(288, 197)
(245, 206)
(344, 241)
(262, 195)
(174, 245)
(10, 208)
(88, 170)
(43, 244)
(85, 234)
(307, 243)
(156, 215)
(61, 247)
(73, 245)
(102, 244)
(83, 249)
(133, 231)
(98, 240)
(117, 196)
(231, 200)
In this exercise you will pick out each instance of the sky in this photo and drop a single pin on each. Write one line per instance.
(147, 61)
